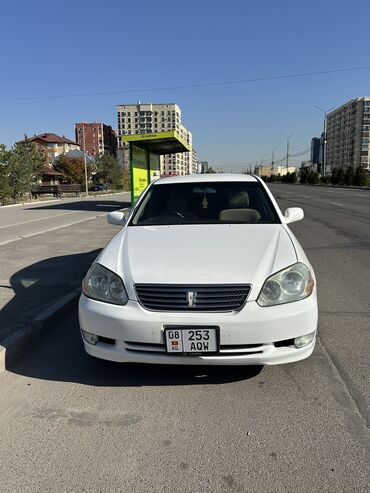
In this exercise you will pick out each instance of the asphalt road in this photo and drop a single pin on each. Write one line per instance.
(69, 422)
(23, 221)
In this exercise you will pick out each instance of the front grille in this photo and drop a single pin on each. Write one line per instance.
(225, 350)
(174, 298)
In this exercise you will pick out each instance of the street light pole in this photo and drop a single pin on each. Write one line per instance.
(83, 140)
(324, 142)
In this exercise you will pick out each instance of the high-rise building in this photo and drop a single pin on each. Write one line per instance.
(152, 118)
(194, 161)
(347, 135)
(97, 138)
(315, 150)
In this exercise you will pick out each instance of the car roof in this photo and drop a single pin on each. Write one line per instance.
(205, 178)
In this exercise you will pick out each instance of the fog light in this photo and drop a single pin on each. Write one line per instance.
(303, 341)
(90, 338)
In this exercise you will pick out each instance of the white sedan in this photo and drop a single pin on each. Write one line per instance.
(205, 271)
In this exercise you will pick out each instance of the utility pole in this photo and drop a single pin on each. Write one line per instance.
(83, 140)
(287, 150)
(324, 141)
(287, 155)
(273, 158)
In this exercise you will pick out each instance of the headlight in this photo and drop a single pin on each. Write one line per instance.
(291, 284)
(104, 285)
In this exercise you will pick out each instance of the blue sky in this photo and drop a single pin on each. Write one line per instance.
(58, 48)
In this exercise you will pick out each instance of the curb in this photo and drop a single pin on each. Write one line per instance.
(337, 187)
(35, 201)
(15, 345)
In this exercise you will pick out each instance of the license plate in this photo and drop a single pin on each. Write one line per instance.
(191, 340)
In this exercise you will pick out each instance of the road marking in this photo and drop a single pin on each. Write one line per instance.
(51, 229)
(39, 219)
(306, 196)
(335, 203)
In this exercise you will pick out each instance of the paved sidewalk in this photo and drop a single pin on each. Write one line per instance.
(35, 272)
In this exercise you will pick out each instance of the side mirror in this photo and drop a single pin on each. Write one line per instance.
(293, 214)
(117, 218)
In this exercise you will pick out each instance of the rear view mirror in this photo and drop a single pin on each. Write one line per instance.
(117, 218)
(293, 214)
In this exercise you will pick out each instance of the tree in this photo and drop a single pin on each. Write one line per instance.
(314, 178)
(210, 170)
(108, 170)
(349, 175)
(285, 178)
(73, 169)
(337, 176)
(24, 165)
(360, 178)
(273, 178)
(304, 175)
(5, 189)
(340, 177)
(333, 177)
(293, 177)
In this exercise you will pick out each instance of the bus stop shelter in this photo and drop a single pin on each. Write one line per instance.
(145, 151)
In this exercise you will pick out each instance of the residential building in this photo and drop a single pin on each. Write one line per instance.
(347, 135)
(203, 166)
(53, 145)
(97, 138)
(152, 118)
(194, 161)
(277, 170)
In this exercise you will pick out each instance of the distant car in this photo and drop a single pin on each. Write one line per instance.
(204, 272)
(99, 187)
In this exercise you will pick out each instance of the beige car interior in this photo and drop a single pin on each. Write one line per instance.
(239, 210)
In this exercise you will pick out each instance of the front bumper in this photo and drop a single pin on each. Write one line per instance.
(251, 336)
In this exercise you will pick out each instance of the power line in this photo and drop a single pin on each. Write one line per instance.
(301, 153)
(188, 86)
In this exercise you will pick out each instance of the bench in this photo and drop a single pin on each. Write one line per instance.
(69, 188)
(57, 190)
(46, 189)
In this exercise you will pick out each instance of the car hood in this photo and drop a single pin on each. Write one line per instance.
(198, 254)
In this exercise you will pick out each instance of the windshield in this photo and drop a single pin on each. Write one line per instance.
(239, 202)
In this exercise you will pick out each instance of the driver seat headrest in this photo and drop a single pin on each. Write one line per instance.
(239, 201)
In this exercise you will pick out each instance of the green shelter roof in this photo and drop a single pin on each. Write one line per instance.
(160, 142)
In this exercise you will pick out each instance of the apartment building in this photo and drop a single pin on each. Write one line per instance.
(97, 138)
(152, 118)
(276, 170)
(53, 145)
(347, 135)
(203, 166)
